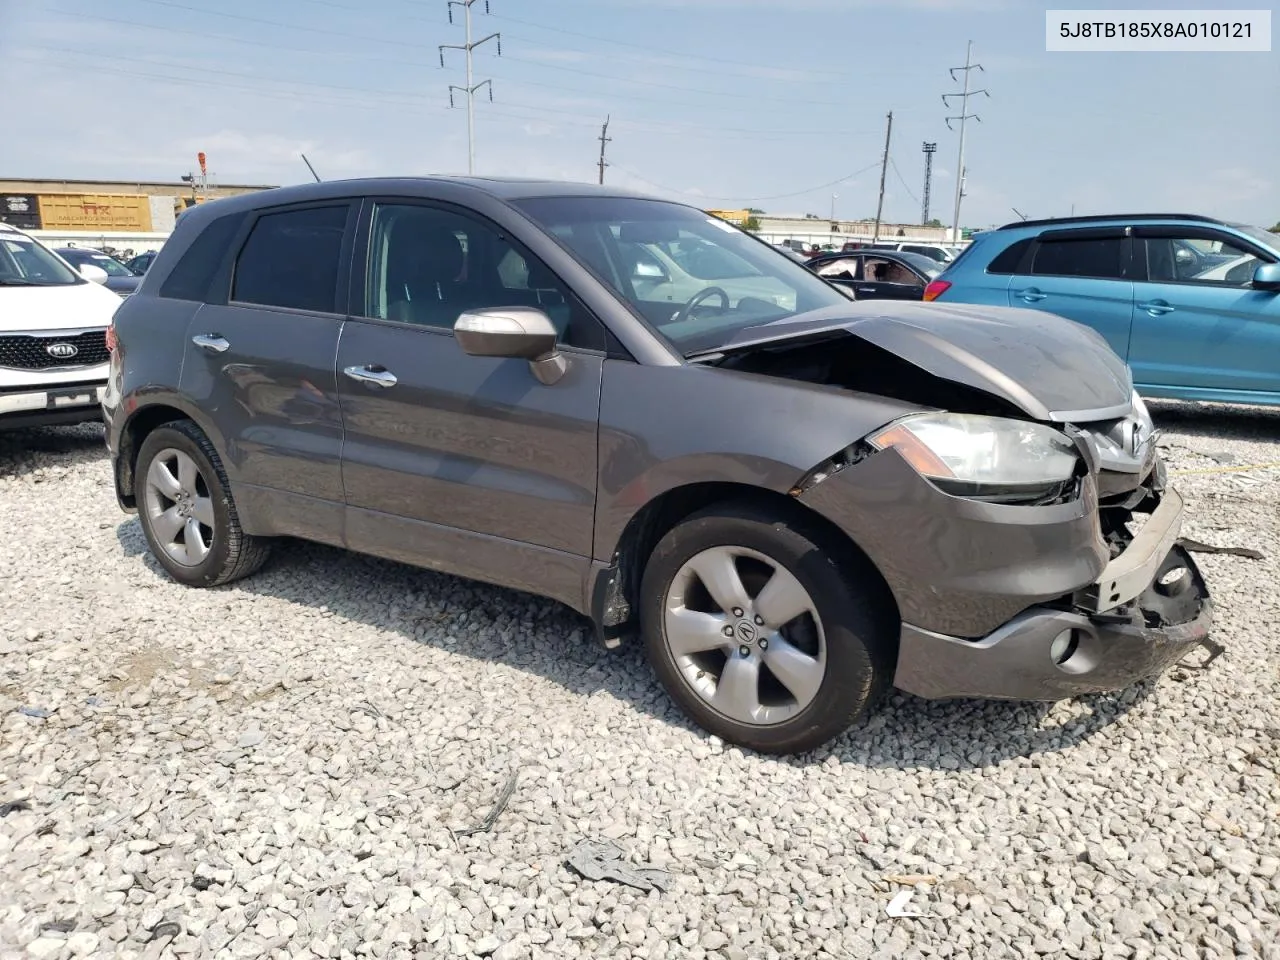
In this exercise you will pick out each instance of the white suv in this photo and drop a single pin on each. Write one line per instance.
(53, 335)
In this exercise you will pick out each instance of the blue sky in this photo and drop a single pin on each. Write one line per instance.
(717, 102)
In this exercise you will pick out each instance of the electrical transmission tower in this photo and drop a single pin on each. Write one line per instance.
(604, 138)
(964, 115)
(471, 88)
(929, 150)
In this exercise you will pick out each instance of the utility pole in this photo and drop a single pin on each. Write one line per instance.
(964, 115)
(604, 138)
(929, 150)
(884, 169)
(834, 198)
(471, 88)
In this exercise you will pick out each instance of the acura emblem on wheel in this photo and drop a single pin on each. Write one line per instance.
(62, 351)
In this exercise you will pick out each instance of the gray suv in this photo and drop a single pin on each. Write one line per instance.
(792, 500)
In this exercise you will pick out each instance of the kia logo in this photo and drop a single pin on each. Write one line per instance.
(62, 351)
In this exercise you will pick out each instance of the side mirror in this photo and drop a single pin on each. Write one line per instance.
(523, 333)
(96, 274)
(648, 271)
(1267, 276)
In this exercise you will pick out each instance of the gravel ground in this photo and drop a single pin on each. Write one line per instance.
(288, 767)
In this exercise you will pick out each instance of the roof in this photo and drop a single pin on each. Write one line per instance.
(1110, 218)
(71, 181)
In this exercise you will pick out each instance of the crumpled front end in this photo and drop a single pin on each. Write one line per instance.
(1030, 601)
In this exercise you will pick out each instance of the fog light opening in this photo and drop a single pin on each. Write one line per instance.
(1064, 646)
(1173, 581)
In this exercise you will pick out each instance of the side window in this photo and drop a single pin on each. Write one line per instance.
(846, 267)
(1199, 260)
(1007, 260)
(292, 259)
(886, 271)
(1096, 257)
(427, 265)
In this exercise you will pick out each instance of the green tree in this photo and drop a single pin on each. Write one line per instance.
(1276, 228)
(752, 224)
(754, 210)
(935, 222)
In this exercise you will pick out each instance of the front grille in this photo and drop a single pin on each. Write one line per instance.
(24, 352)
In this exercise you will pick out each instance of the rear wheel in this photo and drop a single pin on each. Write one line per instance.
(186, 510)
(763, 631)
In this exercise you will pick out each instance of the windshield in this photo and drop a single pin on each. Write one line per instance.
(926, 265)
(1270, 240)
(112, 266)
(694, 278)
(23, 262)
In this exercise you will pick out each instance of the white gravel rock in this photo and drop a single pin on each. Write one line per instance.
(285, 765)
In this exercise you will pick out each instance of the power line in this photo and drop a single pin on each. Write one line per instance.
(471, 88)
(902, 180)
(777, 196)
(964, 115)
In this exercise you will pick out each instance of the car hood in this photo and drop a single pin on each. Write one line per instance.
(1051, 368)
(73, 307)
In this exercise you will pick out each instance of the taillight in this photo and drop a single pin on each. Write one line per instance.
(111, 339)
(935, 289)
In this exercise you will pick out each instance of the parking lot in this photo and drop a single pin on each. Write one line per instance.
(289, 766)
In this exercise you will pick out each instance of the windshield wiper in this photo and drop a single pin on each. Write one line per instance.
(14, 282)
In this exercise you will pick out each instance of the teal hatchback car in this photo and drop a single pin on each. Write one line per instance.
(1191, 303)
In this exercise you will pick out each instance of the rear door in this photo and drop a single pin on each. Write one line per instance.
(1198, 323)
(259, 362)
(1084, 275)
(453, 461)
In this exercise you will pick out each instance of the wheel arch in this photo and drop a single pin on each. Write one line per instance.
(136, 428)
(615, 591)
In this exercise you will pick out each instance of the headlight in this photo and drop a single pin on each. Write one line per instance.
(1144, 415)
(984, 458)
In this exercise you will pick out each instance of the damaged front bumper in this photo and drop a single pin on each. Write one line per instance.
(1148, 609)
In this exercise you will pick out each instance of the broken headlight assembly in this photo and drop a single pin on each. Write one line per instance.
(992, 459)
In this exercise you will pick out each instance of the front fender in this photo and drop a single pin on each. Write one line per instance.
(667, 427)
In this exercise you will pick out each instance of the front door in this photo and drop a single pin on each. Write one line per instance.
(885, 279)
(1083, 275)
(1198, 323)
(259, 362)
(463, 463)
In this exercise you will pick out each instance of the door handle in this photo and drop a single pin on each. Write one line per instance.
(1157, 307)
(866, 289)
(213, 342)
(374, 377)
(1031, 295)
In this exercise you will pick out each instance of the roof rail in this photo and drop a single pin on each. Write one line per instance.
(1112, 216)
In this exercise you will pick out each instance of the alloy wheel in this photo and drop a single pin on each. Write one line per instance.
(745, 635)
(179, 509)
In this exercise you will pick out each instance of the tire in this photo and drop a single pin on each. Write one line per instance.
(847, 632)
(179, 482)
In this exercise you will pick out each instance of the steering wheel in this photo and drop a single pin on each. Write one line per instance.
(684, 312)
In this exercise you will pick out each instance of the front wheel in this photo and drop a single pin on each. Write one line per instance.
(764, 632)
(186, 510)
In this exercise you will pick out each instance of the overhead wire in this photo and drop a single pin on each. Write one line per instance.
(776, 196)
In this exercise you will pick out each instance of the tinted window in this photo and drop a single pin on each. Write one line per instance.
(1007, 260)
(291, 259)
(191, 275)
(428, 265)
(1097, 257)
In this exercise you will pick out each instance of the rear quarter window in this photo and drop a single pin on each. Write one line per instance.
(1008, 259)
(193, 274)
